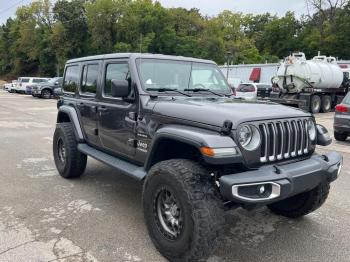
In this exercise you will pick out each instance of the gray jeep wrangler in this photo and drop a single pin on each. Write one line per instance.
(173, 124)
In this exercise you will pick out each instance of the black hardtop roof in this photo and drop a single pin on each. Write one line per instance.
(138, 55)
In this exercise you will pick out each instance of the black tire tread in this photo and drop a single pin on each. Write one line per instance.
(312, 109)
(323, 101)
(340, 136)
(77, 160)
(308, 202)
(205, 201)
(42, 93)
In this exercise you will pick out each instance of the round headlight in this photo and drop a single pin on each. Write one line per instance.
(311, 128)
(249, 137)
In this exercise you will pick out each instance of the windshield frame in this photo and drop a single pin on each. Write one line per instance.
(191, 63)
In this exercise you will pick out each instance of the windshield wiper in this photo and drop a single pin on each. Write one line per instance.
(203, 90)
(162, 89)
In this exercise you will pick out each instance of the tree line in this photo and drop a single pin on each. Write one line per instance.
(44, 34)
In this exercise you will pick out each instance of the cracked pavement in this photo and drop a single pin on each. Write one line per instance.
(98, 217)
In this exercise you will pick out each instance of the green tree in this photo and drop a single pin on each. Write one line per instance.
(281, 35)
(103, 17)
(70, 32)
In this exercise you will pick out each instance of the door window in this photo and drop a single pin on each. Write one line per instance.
(38, 80)
(118, 71)
(71, 79)
(90, 76)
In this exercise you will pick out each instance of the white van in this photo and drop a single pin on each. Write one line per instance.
(24, 82)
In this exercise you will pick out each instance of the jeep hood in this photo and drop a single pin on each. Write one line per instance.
(215, 111)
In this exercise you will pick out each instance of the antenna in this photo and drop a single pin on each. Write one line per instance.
(141, 78)
(140, 56)
(140, 43)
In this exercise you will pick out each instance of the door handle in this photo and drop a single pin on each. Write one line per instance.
(102, 108)
(93, 109)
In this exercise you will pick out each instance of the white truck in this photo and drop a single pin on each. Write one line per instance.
(315, 85)
(24, 84)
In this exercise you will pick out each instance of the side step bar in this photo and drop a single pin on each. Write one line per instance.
(123, 166)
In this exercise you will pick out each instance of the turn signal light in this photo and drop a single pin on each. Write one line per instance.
(207, 151)
(219, 152)
(341, 108)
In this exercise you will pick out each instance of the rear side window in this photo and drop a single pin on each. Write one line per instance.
(71, 79)
(36, 80)
(118, 71)
(246, 88)
(347, 99)
(90, 76)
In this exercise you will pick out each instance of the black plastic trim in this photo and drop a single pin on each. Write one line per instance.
(294, 178)
(123, 166)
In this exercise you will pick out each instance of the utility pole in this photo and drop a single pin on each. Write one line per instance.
(228, 58)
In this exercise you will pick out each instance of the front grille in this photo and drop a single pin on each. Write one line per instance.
(283, 139)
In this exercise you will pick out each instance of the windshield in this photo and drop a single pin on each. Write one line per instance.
(181, 75)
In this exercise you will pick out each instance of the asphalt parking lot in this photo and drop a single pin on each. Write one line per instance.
(99, 216)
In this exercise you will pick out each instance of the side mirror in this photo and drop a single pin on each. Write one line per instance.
(120, 88)
(323, 137)
(57, 83)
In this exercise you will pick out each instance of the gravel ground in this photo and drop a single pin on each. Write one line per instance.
(99, 216)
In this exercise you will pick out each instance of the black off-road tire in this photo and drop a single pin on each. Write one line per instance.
(74, 163)
(340, 136)
(198, 200)
(326, 104)
(315, 105)
(302, 204)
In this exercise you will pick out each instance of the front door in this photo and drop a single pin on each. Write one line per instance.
(87, 104)
(117, 117)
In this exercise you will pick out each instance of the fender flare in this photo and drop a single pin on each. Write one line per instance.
(73, 116)
(196, 137)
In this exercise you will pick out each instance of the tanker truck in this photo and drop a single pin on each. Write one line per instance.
(315, 85)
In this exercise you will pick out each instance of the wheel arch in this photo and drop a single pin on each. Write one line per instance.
(185, 142)
(69, 114)
(180, 148)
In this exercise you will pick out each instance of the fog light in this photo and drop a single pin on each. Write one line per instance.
(256, 191)
(262, 190)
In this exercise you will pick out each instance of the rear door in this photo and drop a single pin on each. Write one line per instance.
(117, 117)
(87, 103)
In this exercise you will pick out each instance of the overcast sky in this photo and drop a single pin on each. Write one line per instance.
(207, 7)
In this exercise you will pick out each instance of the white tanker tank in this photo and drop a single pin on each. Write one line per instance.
(296, 73)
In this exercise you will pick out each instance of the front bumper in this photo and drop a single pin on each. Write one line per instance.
(280, 180)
